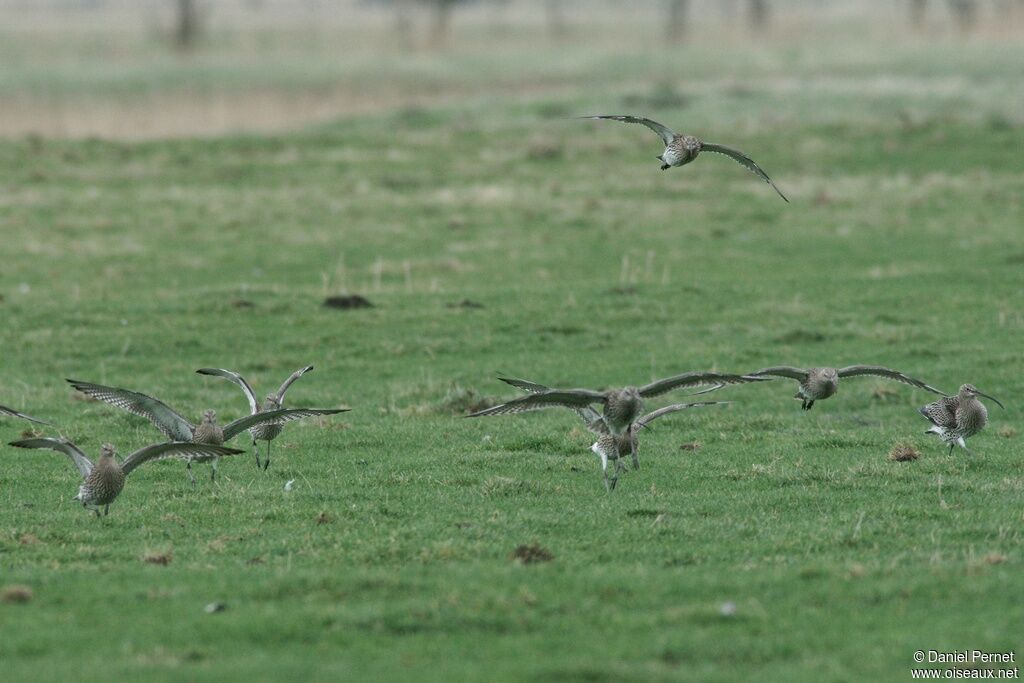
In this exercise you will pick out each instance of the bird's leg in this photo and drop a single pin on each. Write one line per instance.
(213, 471)
(106, 509)
(604, 471)
(266, 462)
(188, 470)
(952, 445)
(636, 458)
(256, 450)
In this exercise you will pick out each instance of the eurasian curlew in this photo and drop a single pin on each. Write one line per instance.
(621, 407)
(10, 412)
(275, 401)
(682, 149)
(611, 447)
(102, 482)
(177, 428)
(817, 384)
(956, 418)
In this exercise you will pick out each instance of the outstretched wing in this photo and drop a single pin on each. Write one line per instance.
(172, 450)
(666, 134)
(14, 413)
(591, 417)
(170, 423)
(693, 379)
(743, 159)
(571, 398)
(69, 449)
(799, 374)
(859, 370)
(288, 382)
(233, 429)
(650, 417)
(254, 403)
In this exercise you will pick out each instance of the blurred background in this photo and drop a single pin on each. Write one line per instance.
(136, 69)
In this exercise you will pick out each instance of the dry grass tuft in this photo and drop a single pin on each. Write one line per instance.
(529, 554)
(691, 446)
(903, 452)
(1007, 432)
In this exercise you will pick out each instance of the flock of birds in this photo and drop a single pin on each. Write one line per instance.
(953, 418)
(103, 481)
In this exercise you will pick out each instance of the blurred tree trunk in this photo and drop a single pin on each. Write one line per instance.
(187, 24)
(675, 23)
(965, 14)
(760, 15)
(403, 23)
(918, 12)
(555, 12)
(441, 31)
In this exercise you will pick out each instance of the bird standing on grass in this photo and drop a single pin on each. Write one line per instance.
(102, 482)
(10, 412)
(177, 428)
(265, 431)
(817, 384)
(682, 149)
(955, 418)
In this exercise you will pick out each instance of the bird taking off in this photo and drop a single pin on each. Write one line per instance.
(682, 149)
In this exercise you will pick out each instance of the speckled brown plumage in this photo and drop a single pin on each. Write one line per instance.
(956, 418)
(817, 384)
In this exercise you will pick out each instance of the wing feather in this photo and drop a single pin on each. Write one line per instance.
(14, 413)
(877, 370)
(254, 403)
(666, 134)
(288, 382)
(233, 429)
(571, 398)
(591, 418)
(742, 158)
(799, 374)
(171, 424)
(80, 460)
(650, 417)
(174, 449)
(693, 379)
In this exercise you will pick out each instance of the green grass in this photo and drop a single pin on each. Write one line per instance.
(390, 558)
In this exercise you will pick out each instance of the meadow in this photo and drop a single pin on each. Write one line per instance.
(493, 234)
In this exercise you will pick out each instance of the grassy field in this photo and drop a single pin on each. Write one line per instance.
(785, 547)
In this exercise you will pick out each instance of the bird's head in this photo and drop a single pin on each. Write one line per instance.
(210, 416)
(107, 451)
(273, 402)
(971, 391)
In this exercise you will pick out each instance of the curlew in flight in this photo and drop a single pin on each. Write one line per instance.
(682, 149)
(817, 384)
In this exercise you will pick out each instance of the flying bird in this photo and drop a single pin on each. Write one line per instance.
(682, 149)
(817, 384)
(956, 418)
(103, 481)
(620, 407)
(266, 431)
(177, 428)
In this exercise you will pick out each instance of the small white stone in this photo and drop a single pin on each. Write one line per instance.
(288, 484)
(728, 608)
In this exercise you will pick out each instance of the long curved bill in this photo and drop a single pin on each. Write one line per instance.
(994, 399)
